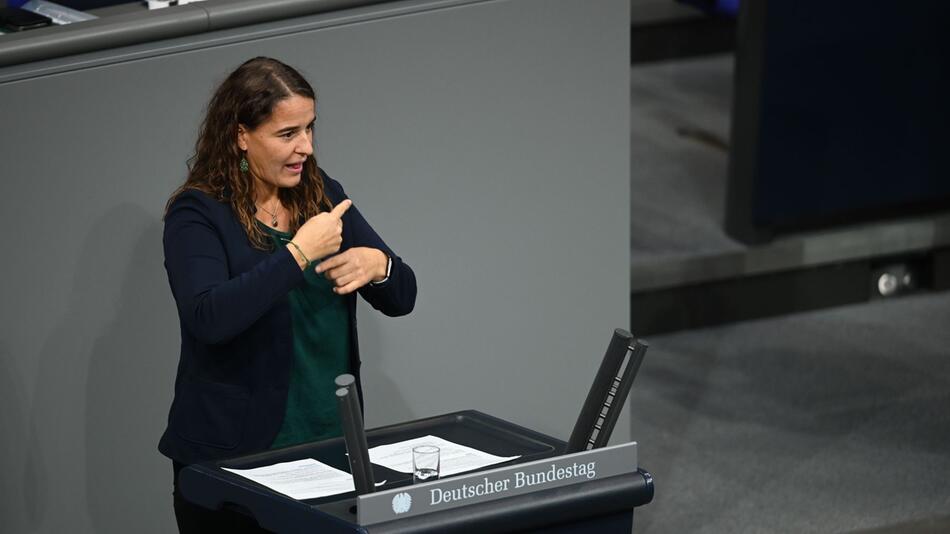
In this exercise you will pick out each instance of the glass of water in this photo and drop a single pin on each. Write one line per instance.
(425, 463)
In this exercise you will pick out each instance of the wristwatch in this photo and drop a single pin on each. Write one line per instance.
(389, 268)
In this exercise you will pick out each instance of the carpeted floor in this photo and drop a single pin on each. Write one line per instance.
(830, 421)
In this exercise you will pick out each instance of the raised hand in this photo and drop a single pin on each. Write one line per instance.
(321, 235)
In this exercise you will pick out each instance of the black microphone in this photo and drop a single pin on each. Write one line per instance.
(354, 435)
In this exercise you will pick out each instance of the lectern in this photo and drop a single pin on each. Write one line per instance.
(579, 487)
(541, 491)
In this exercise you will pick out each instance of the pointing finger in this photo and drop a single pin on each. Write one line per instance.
(341, 208)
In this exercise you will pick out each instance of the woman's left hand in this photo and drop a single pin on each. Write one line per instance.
(354, 268)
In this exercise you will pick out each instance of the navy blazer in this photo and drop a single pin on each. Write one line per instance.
(236, 331)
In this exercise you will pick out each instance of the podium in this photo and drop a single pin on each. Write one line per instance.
(541, 491)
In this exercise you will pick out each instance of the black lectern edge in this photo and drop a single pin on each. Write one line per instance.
(608, 495)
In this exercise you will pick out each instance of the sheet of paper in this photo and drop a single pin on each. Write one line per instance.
(58, 13)
(453, 458)
(300, 479)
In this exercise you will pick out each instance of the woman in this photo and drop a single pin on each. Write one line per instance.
(265, 255)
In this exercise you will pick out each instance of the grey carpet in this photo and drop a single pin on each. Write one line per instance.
(830, 421)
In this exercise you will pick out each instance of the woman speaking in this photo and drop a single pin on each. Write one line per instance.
(265, 254)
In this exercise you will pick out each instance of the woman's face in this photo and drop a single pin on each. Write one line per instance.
(277, 148)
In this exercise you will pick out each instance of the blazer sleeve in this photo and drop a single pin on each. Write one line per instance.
(394, 297)
(212, 304)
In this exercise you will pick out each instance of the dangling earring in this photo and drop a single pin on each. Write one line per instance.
(243, 165)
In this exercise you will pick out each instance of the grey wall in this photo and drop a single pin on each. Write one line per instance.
(487, 141)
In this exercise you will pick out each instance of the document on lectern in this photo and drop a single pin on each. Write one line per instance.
(454, 458)
(300, 479)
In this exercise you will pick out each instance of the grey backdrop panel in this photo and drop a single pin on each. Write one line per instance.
(487, 141)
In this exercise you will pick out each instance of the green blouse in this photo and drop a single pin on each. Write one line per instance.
(321, 327)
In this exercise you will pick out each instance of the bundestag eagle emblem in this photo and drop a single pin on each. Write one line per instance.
(402, 502)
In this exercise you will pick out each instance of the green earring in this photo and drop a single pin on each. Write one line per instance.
(244, 166)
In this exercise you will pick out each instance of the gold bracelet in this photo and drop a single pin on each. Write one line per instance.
(302, 255)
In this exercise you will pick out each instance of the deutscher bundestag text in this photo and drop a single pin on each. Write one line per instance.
(521, 479)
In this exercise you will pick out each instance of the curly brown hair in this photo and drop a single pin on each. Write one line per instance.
(247, 97)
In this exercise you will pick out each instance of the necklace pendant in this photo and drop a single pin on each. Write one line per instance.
(273, 222)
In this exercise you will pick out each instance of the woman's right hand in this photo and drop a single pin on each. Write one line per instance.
(321, 235)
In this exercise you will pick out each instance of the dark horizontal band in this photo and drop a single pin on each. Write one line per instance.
(146, 26)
